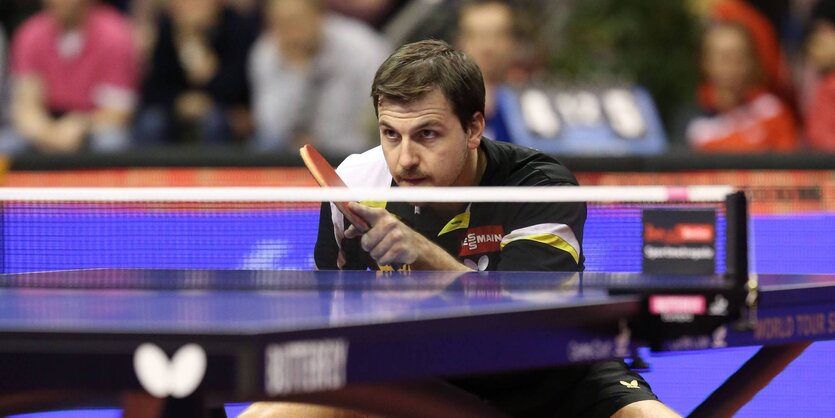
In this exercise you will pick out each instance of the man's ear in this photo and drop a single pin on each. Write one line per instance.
(476, 130)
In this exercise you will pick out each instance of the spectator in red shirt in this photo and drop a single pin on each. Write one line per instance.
(820, 52)
(775, 74)
(739, 112)
(74, 76)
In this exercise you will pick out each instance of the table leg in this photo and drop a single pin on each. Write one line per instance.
(746, 382)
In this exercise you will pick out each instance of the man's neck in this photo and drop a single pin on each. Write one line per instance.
(76, 20)
(727, 99)
(475, 167)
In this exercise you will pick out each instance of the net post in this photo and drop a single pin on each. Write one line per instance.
(736, 230)
(743, 285)
(3, 236)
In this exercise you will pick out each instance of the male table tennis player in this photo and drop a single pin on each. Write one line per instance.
(429, 100)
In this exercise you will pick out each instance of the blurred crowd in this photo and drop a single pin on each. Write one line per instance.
(747, 99)
(270, 75)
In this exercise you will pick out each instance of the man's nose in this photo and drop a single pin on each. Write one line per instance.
(408, 154)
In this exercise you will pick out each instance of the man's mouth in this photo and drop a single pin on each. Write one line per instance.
(411, 181)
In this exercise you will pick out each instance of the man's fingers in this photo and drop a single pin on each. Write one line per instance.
(371, 215)
(382, 247)
(352, 232)
(371, 239)
(395, 247)
(396, 256)
(385, 240)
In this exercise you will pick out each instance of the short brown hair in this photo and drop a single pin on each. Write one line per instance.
(417, 68)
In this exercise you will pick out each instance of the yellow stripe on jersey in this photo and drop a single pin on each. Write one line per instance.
(462, 220)
(559, 236)
(374, 204)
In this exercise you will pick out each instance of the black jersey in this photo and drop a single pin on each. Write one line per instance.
(484, 236)
(500, 236)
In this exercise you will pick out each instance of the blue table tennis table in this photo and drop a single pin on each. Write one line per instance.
(364, 340)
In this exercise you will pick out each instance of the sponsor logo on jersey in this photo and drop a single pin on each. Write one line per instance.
(482, 239)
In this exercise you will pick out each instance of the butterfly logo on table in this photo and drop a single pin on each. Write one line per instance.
(177, 377)
(719, 306)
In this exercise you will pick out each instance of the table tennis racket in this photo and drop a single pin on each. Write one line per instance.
(326, 176)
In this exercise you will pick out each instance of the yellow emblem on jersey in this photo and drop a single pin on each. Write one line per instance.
(631, 385)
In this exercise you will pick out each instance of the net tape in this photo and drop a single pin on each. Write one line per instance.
(395, 194)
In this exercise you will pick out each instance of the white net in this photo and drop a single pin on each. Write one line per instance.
(276, 228)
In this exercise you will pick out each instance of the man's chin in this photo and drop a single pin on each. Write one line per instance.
(415, 183)
(421, 183)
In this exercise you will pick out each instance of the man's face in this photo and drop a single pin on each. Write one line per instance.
(424, 142)
(296, 24)
(729, 59)
(820, 47)
(68, 12)
(486, 34)
(194, 14)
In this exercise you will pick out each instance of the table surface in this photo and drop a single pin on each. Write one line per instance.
(388, 326)
(236, 302)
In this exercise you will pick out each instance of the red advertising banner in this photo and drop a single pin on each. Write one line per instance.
(770, 191)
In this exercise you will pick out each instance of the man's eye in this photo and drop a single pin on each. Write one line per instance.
(390, 133)
(429, 134)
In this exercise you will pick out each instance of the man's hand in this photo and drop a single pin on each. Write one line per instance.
(192, 105)
(67, 134)
(32, 119)
(390, 241)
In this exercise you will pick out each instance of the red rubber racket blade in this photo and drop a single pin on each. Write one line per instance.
(326, 176)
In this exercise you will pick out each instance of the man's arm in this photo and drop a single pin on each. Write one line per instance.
(390, 241)
(65, 134)
(33, 121)
(112, 116)
(29, 115)
(646, 409)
